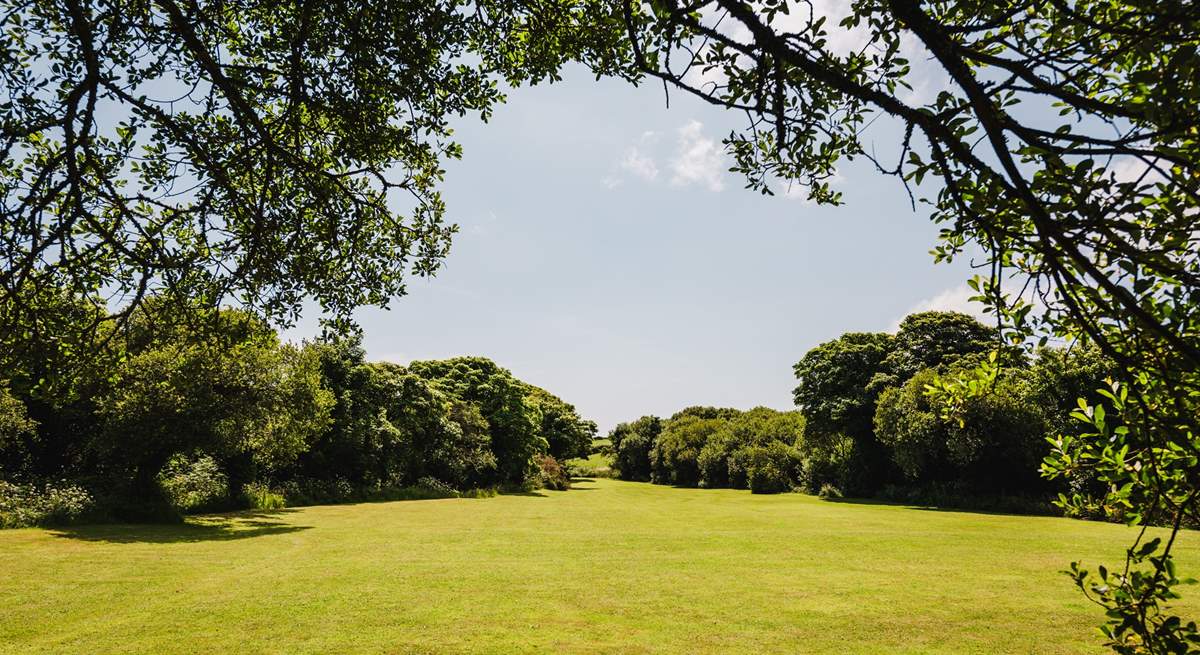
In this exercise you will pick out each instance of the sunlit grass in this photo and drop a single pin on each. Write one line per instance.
(610, 567)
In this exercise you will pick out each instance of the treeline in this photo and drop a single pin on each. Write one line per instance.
(170, 417)
(759, 449)
(870, 425)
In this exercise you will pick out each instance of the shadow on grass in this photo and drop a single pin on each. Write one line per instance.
(1032, 511)
(224, 527)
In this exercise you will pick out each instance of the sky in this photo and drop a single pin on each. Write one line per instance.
(607, 255)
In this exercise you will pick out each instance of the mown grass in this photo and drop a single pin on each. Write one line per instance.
(593, 462)
(609, 567)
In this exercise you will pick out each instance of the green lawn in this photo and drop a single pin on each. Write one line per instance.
(594, 462)
(611, 567)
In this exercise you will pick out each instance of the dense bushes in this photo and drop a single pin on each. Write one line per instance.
(23, 505)
(194, 485)
(631, 446)
(870, 423)
(164, 422)
(712, 447)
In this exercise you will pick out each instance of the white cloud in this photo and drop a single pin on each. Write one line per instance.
(1133, 169)
(954, 299)
(697, 159)
(639, 164)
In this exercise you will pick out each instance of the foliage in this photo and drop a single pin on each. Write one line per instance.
(837, 396)
(933, 340)
(194, 484)
(567, 434)
(834, 463)
(829, 491)
(992, 443)
(16, 429)
(833, 389)
(241, 394)
(1136, 599)
(261, 154)
(551, 474)
(14, 420)
(24, 505)
(726, 459)
(772, 468)
(179, 417)
(513, 420)
(1060, 151)
(674, 458)
(259, 495)
(632, 444)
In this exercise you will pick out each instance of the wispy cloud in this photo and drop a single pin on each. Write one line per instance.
(698, 159)
(640, 164)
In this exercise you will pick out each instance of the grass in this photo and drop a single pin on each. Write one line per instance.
(609, 567)
(593, 462)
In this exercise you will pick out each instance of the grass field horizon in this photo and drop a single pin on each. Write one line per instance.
(608, 567)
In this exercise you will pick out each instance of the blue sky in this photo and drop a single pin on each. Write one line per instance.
(608, 256)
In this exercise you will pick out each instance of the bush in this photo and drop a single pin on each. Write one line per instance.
(675, 458)
(438, 487)
(259, 496)
(771, 469)
(25, 505)
(313, 491)
(829, 491)
(831, 464)
(631, 446)
(193, 486)
(551, 474)
(716, 461)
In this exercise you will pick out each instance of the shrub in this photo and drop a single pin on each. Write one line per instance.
(25, 505)
(715, 460)
(259, 496)
(676, 454)
(551, 474)
(313, 491)
(829, 491)
(438, 487)
(631, 446)
(194, 485)
(771, 469)
(831, 464)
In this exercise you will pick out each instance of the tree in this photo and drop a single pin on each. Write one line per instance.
(513, 421)
(15, 429)
(1061, 145)
(725, 460)
(567, 434)
(256, 152)
(632, 444)
(836, 395)
(992, 445)
(243, 395)
(935, 339)
(674, 459)
(438, 436)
